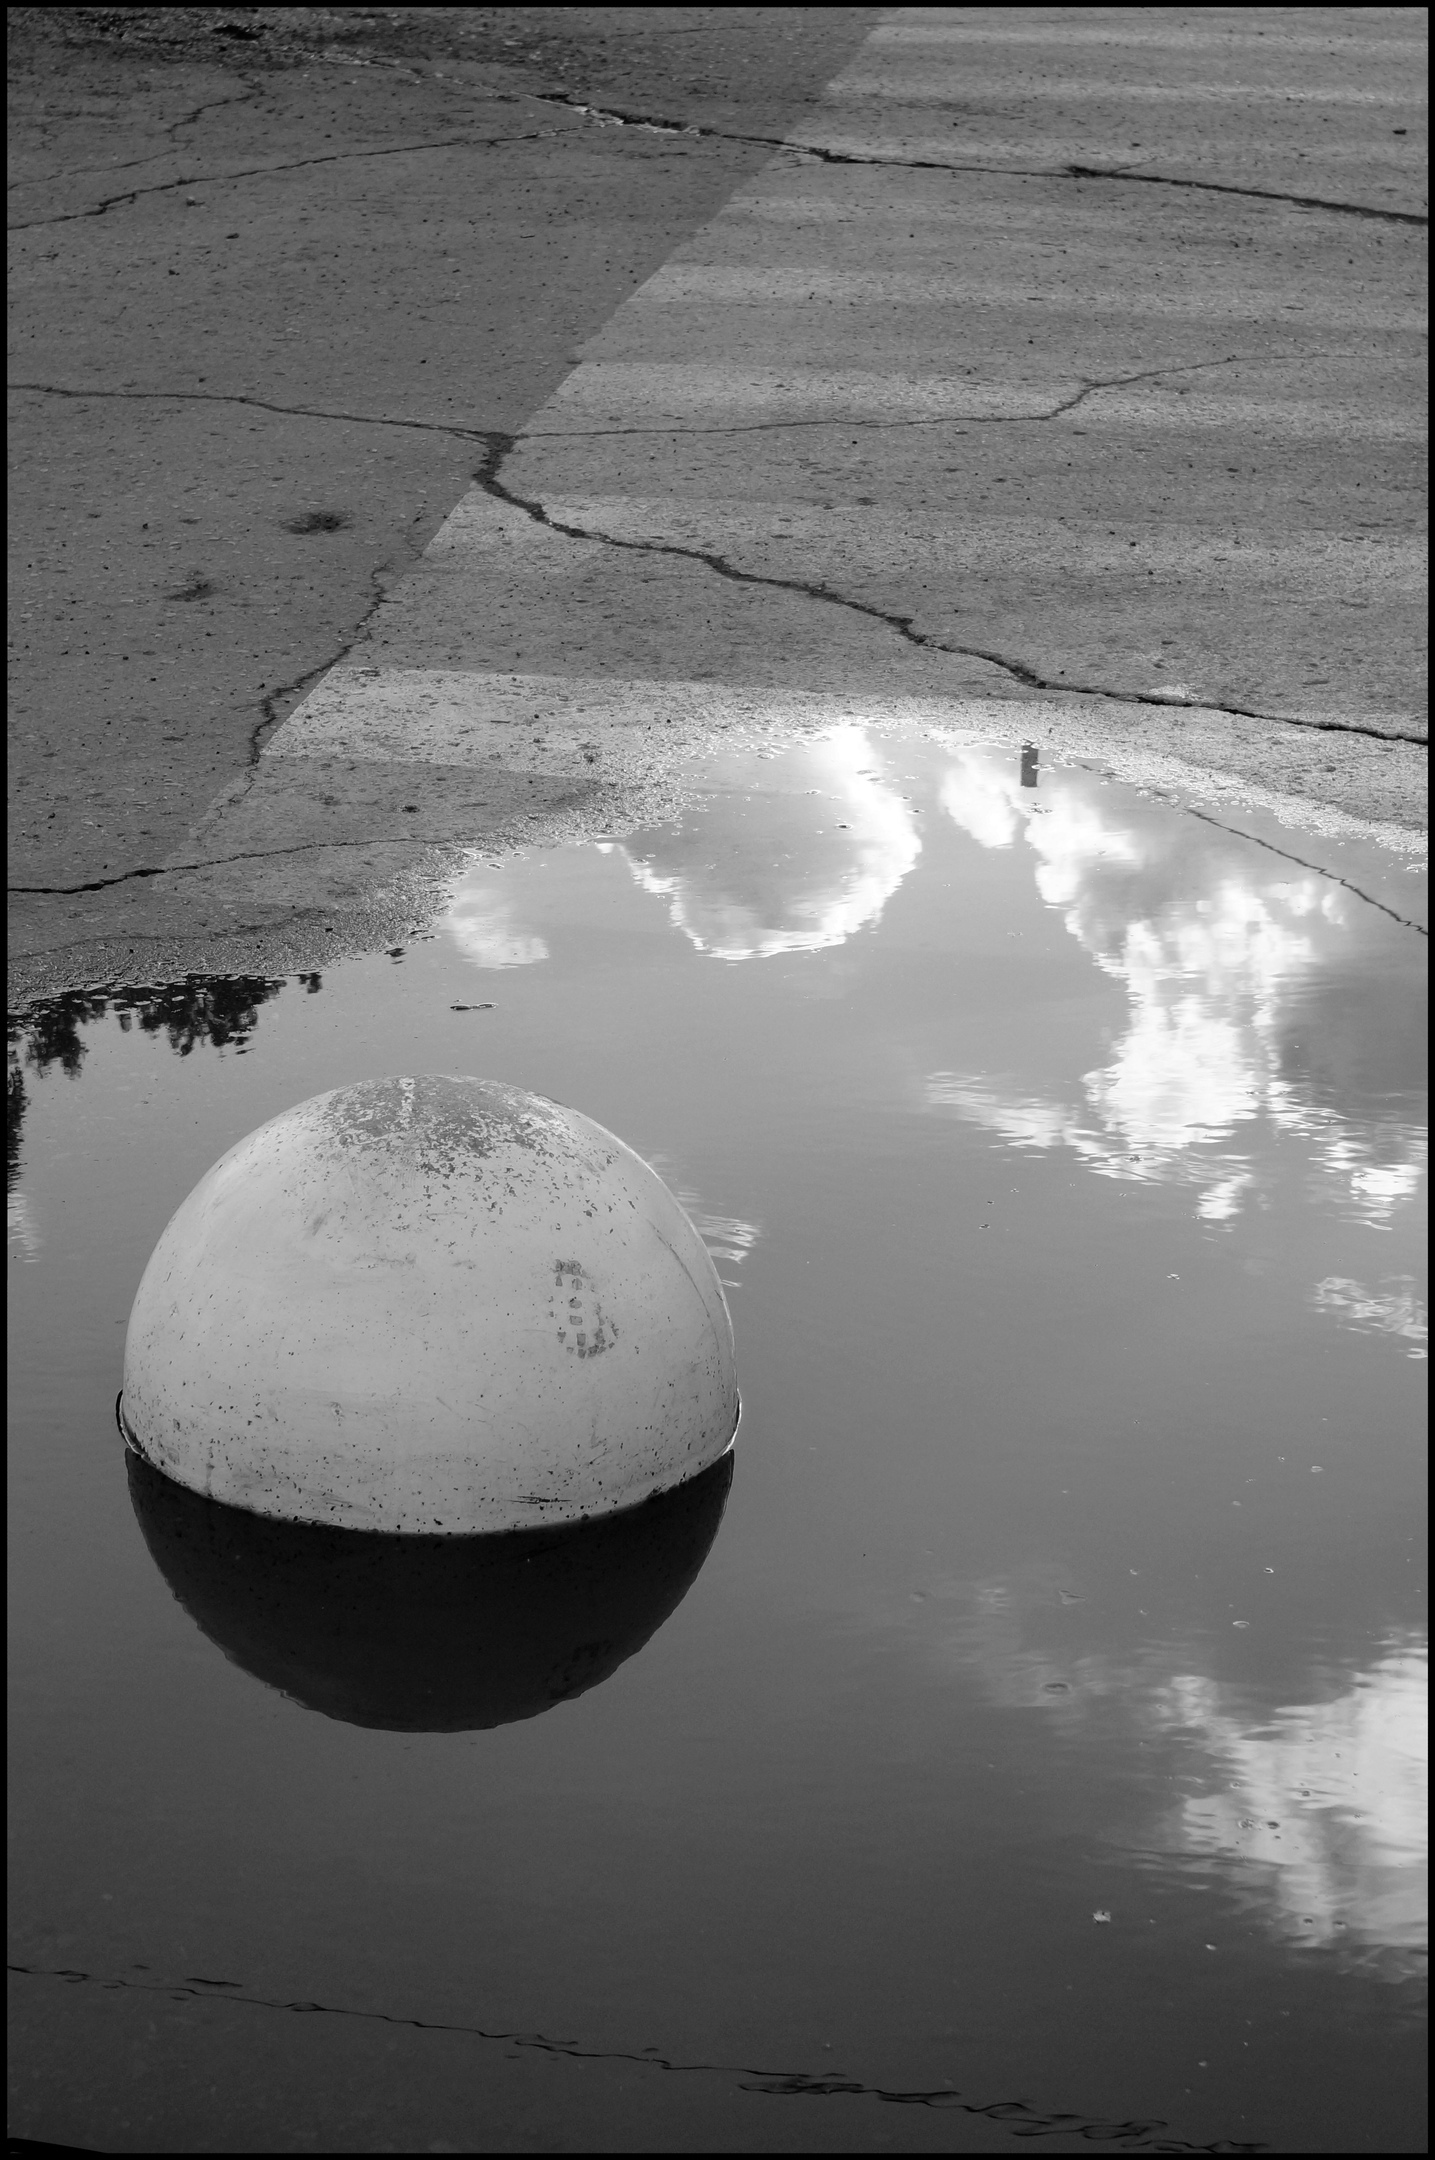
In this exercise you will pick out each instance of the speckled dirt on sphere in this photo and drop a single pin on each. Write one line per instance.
(431, 1304)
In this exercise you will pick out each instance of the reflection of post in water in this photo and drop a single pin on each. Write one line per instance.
(1029, 756)
(428, 1634)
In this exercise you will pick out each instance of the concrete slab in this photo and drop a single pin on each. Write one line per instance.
(1077, 361)
(278, 283)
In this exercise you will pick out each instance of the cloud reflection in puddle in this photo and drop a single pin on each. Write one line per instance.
(1322, 1804)
(1231, 970)
(483, 926)
(800, 864)
(1312, 1812)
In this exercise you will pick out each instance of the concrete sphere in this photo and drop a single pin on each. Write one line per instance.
(430, 1305)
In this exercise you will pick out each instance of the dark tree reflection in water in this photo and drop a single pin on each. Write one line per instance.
(220, 1010)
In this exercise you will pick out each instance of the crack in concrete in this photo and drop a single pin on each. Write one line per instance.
(482, 435)
(152, 157)
(611, 115)
(1015, 2115)
(1406, 922)
(270, 715)
(269, 705)
(1223, 187)
(903, 626)
(244, 96)
(250, 172)
(769, 427)
(218, 862)
(239, 397)
(499, 446)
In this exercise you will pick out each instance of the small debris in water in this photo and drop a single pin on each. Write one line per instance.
(471, 1008)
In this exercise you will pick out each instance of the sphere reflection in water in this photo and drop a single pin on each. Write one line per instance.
(428, 1634)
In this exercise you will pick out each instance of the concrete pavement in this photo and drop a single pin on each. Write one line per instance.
(272, 281)
(1056, 377)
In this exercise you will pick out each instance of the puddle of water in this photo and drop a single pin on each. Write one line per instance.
(1046, 1719)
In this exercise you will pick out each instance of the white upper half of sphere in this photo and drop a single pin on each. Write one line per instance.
(428, 1305)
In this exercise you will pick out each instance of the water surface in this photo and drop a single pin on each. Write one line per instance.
(1039, 1748)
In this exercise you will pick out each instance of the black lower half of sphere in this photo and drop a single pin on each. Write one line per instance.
(428, 1634)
